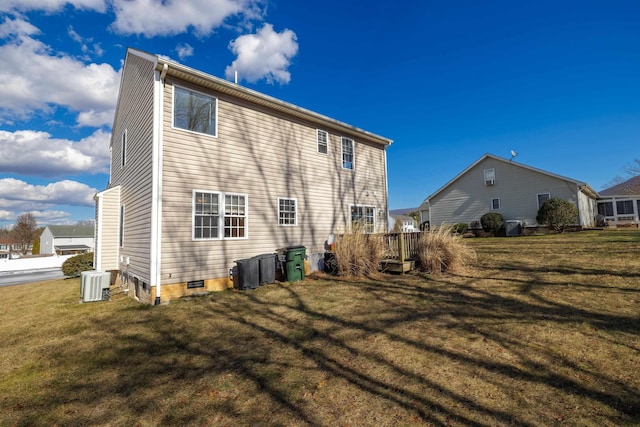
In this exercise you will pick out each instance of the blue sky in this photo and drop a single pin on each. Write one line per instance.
(556, 81)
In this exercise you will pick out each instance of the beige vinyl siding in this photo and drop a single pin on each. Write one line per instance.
(135, 115)
(108, 219)
(517, 188)
(587, 210)
(265, 156)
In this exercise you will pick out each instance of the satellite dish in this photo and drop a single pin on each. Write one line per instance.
(513, 154)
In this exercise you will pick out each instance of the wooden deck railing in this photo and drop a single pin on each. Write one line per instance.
(401, 246)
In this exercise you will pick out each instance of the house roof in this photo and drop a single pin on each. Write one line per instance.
(627, 188)
(71, 230)
(584, 187)
(167, 66)
(403, 217)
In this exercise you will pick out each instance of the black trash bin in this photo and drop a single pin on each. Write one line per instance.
(294, 263)
(267, 268)
(248, 273)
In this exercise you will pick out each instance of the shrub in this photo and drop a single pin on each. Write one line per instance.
(460, 228)
(441, 251)
(358, 253)
(492, 221)
(557, 214)
(77, 264)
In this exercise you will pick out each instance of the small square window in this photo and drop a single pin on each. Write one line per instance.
(194, 111)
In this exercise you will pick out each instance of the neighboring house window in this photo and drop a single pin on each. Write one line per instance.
(219, 216)
(495, 204)
(605, 208)
(347, 153)
(624, 207)
(323, 140)
(543, 197)
(365, 217)
(489, 176)
(194, 111)
(4, 256)
(121, 234)
(287, 212)
(123, 149)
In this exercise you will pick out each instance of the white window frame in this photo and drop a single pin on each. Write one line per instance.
(490, 176)
(369, 228)
(123, 149)
(222, 215)
(173, 111)
(295, 212)
(353, 153)
(538, 198)
(321, 143)
(492, 205)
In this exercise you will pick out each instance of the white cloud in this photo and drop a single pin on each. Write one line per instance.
(184, 50)
(162, 18)
(21, 196)
(264, 55)
(87, 45)
(32, 78)
(37, 154)
(50, 5)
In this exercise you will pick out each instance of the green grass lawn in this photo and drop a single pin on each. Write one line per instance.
(543, 330)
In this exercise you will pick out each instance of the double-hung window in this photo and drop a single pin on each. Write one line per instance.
(323, 141)
(287, 212)
(364, 216)
(347, 153)
(489, 176)
(194, 111)
(495, 204)
(219, 215)
(123, 149)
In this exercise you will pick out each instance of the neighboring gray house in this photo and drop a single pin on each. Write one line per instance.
(620, 204)
(494, 184)
(66, 239)
(205, 172)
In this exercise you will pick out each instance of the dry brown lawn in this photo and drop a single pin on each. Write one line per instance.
(544, 330)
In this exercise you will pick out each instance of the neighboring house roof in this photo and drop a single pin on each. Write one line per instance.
(71, 230)
(169, 67)
(627, 188)
(584, 187)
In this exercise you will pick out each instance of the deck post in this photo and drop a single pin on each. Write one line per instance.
(401, 247)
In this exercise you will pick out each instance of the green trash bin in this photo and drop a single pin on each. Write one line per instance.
(294, 263)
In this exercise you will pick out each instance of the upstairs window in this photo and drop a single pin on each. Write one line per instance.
(194, 111)
(347, 153)
(123, 149)
(543, 197)
(287, 213)
(495, 204)
(323, 140)
(489, 176)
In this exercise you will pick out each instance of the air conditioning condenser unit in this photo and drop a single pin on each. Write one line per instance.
(94, 286)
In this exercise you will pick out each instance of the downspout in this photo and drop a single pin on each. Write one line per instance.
(156, 212)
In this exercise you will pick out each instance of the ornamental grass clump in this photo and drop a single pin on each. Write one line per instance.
(358, 253)
(443, 250)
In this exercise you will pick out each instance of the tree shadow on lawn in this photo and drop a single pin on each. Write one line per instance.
(402, 350)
